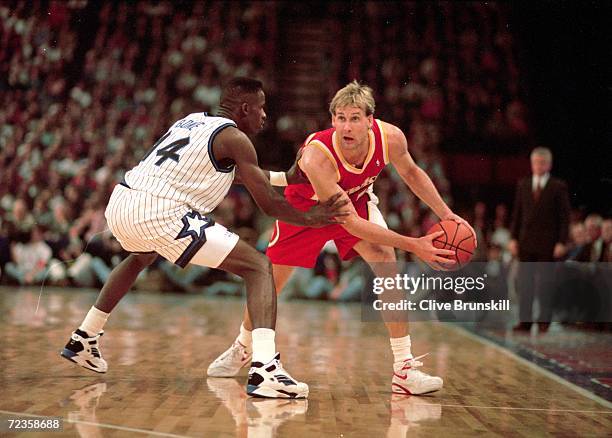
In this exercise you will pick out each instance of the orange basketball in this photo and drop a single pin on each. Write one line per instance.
(456, 237)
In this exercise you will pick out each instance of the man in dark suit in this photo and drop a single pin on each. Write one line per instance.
(539, 232)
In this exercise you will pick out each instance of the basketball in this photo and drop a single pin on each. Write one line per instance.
(456, 237)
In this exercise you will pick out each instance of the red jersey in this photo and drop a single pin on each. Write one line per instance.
(293, 245)
(354, 181)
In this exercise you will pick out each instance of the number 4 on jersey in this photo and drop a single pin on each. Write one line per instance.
(169, 151)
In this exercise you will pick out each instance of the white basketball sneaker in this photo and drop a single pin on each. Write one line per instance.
(270, 380)
(229, 363)
(84, 351)
(408, 380)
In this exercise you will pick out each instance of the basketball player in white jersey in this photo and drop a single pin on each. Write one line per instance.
(160, 209)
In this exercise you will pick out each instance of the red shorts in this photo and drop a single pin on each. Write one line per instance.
(293, 245)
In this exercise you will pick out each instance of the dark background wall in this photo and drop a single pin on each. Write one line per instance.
(566, 46)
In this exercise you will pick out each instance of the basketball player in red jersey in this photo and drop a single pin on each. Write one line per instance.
(347, 159)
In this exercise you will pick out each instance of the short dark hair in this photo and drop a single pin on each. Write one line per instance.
(239, 86)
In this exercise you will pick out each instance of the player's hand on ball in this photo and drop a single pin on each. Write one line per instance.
(331, 211)
(435, 257)
(460, 220)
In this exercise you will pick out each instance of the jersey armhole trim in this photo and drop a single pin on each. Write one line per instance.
(328, 154)
(213, 160)
(385, 142)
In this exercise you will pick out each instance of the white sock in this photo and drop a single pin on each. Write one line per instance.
(401, 350)
(94, 321)
(264, 348)
(245, 338)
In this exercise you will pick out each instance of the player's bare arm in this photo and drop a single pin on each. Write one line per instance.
(282, 179)
(416, 178)
(233, 144)
(323, 177)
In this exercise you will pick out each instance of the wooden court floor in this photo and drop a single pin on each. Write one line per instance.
(159, 346)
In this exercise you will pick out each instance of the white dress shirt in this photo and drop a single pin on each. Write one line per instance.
(539, 181)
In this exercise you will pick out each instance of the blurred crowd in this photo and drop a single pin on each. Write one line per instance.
(81, 106)
(448, 70)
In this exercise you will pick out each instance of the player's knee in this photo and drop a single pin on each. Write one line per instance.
(263, 265)
(259, 265)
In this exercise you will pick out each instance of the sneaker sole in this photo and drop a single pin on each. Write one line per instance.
(69, 355)
(267, 392)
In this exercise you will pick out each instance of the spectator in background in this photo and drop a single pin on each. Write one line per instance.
(539, 234)
(501, 236)
(20, 221)
(30, 260)
(481, 227)
(593, 251)
(578, 241)
(606, 235)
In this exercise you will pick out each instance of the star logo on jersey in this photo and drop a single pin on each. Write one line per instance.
(194, 225)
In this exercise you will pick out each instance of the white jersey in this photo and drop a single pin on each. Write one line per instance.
(181, 166)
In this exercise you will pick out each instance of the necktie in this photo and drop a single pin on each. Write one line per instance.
(538, 190)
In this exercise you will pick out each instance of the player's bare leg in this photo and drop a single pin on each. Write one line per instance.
(256, 270)
(383, 263)
(121, 279)
(238, 355)
(406, 379)
(267, 378)
(281, 274)
(83, 347)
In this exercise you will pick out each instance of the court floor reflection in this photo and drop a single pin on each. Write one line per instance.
(410, 412)
(86, 400)
(255, 417)
(158, 348)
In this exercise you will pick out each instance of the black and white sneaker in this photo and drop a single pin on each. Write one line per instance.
(84, 351)
(270, 380)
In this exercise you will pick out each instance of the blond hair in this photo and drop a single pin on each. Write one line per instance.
(354, 94)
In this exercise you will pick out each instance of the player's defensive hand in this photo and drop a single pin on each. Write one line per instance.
(328, 212)
(294, 175)
(460, 220)
(435, 257)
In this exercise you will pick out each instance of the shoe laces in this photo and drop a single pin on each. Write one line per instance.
(94, 347)
(280, 371)
(413, 362)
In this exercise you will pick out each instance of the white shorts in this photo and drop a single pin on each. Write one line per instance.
(142, 222)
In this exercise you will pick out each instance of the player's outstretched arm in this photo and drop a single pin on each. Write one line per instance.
(416, 178)
(322, 176)
(237, 146)
(282, 179)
